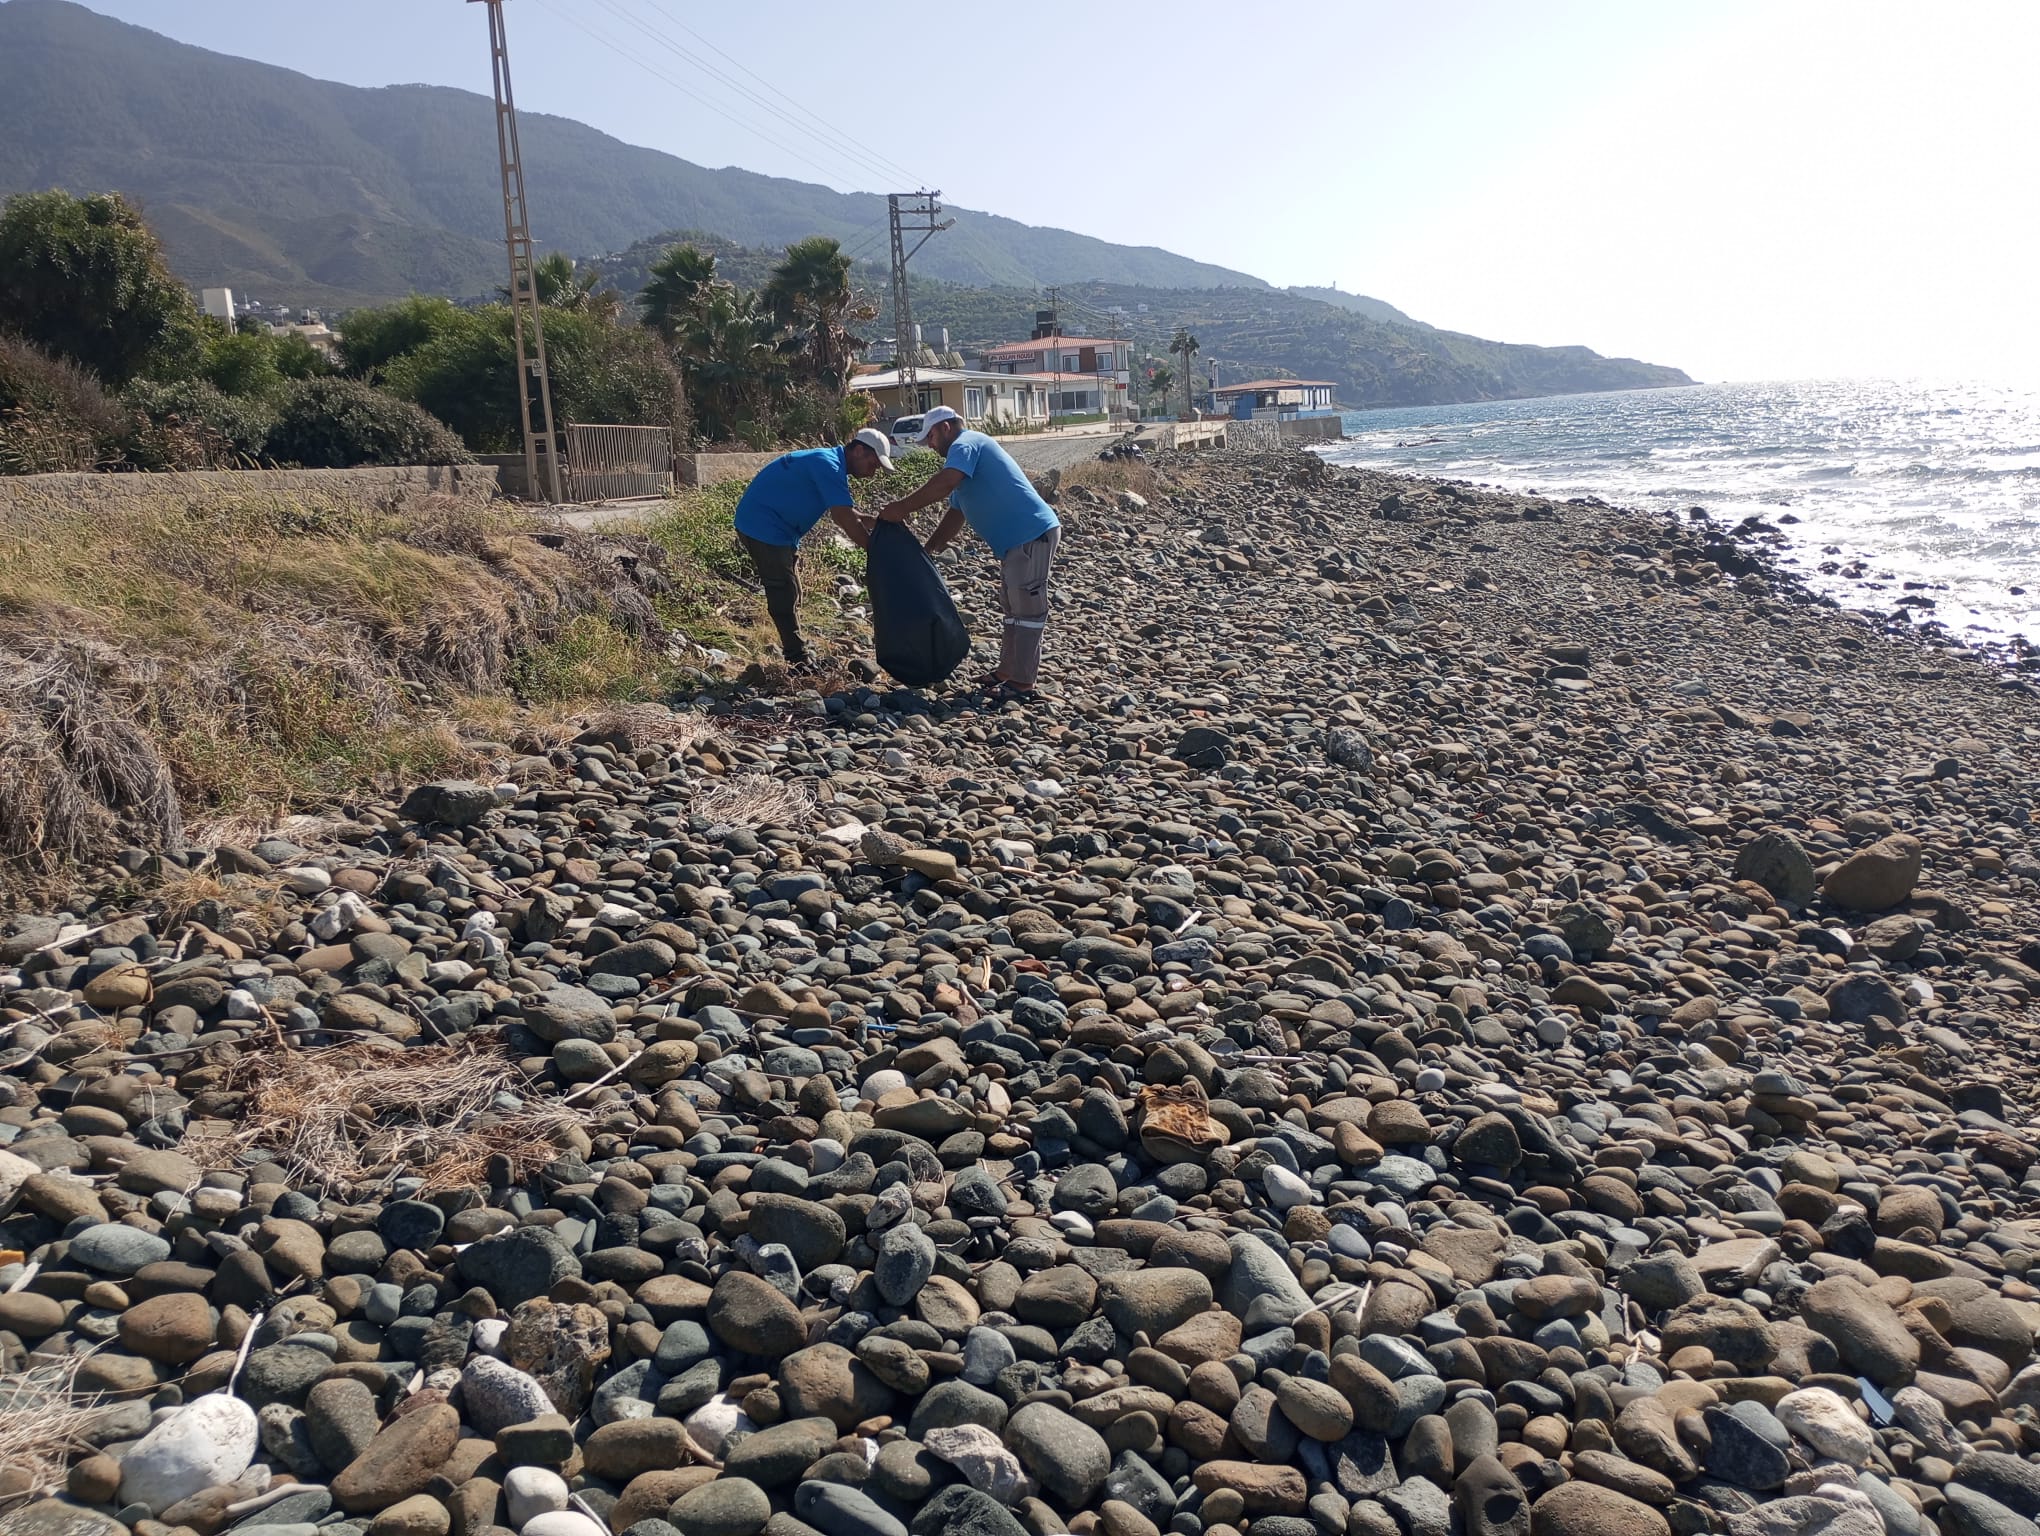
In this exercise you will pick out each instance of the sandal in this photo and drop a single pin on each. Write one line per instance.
(1009, 693)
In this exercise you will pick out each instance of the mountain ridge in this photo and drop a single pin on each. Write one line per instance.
(267, 176)
(286, 187)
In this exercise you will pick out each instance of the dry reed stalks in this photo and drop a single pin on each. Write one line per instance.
(357, 1113)
(757, 800)
(42, 1426)
(653, 725)
(78, 765)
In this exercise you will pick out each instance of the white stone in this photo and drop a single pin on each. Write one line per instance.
(531, 1491)
(1923, 1414)
(488, 1336)
(712, 1424)
(1076, 1223)
(330, 922)
(561, 1522)
(241, 1005)
(1824, 1420)
(14, 1172)
(893, 1205)
(1285, 1189)
(983, 1459)
(306, 880)
(206, 1444)
(882, 1082)
(1833, 1511)
(1431, 1080)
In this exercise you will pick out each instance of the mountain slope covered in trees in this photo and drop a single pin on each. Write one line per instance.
(303, 189)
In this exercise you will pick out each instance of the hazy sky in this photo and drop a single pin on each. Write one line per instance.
(1745, 190)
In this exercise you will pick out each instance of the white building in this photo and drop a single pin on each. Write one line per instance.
(977, 396)
(1093, 373)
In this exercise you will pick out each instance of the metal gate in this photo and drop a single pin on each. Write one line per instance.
(612, 463)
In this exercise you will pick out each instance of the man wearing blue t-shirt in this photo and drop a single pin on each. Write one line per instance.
(986, 489)
(788, 497)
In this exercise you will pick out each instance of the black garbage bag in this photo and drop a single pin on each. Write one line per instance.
(916, 632)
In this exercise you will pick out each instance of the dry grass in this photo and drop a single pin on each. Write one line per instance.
(359, 1113)
(42, 1426)
(1109, 477)
(240, 658)
(757, 800)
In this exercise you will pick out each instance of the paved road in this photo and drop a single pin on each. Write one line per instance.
(1038, 455)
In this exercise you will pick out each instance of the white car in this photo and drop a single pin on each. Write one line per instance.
(906, 432)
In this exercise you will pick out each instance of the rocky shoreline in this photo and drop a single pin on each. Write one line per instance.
(1459, 1015)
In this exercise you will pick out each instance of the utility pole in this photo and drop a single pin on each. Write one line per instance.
(524, 305)
(1055, 351)
(911, 213)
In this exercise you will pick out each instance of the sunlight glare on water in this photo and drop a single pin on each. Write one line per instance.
(1934, 483)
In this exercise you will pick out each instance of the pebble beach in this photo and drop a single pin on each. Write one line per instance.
(1455, 1014)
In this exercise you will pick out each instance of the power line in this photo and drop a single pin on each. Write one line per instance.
(692, 95)
(831, 140)
(895, 168)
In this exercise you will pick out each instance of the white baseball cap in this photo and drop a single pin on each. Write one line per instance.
(878, 443)
(934, 419)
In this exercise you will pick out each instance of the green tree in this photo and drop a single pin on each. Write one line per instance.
(1161, 379)
(732, 364)
(1186, 346)
(340, 423)
(809, 296)
(466, 375)
(562, 285)
(297, 358)
(85, 278)
(681, 280)
(242, 363)
(370, 339)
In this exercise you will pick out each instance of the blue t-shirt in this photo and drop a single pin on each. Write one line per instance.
(995, 497)
(791, 494)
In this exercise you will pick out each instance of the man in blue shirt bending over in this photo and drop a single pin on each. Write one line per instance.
(986, 489)
(788, 497)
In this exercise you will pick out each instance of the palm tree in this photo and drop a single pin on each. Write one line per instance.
(681, 279)
(734, 368)
(561, 285)
(1187, 347)
(809, 296)
(1160, 381)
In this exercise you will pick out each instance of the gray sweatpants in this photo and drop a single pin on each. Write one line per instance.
(1023, 591)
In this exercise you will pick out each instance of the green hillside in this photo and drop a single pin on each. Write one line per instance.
(306, 191)
(1359, 303)
(1249, 332)
(1261, 332)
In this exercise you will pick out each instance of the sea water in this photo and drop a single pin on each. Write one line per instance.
(1884, 489)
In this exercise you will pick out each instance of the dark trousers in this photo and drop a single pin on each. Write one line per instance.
(779, 574)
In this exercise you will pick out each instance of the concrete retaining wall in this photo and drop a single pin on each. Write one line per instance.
(714, 468)
(1268, 436)
(477, 481)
